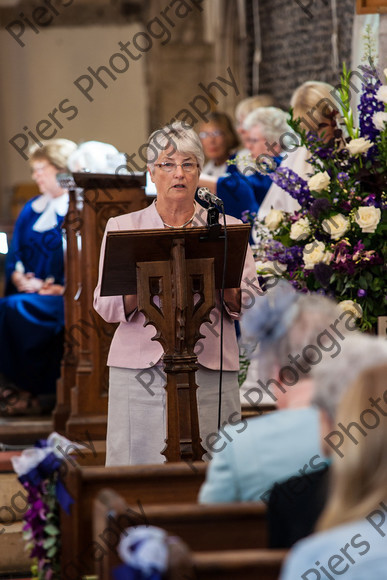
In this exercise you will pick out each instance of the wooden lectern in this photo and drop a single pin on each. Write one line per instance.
(175, 274)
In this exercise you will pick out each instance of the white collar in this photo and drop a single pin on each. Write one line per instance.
(49, 208)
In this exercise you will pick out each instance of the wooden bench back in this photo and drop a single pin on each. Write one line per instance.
(139, 486)
(223, 538)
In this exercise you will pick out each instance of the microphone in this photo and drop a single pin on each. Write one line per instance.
(205, 195)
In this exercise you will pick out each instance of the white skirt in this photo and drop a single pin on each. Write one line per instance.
(136, 428)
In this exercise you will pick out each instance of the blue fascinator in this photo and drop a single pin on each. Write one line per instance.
(270, 317)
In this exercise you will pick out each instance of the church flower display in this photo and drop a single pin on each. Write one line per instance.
(39, 470)
(336, 243)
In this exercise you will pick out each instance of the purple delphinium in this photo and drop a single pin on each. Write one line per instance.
(293, 184)
(368, 106)
(291, 256)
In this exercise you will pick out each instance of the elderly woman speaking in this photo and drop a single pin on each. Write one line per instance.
(136, 415)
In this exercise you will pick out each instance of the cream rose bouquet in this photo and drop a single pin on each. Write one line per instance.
(336, 244)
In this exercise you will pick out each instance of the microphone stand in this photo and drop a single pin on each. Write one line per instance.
(213, 233)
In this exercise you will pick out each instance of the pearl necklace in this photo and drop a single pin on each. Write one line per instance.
(183, 225)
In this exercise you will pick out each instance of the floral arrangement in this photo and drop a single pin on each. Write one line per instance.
(336, 243)
(39, 471)
(144, 553)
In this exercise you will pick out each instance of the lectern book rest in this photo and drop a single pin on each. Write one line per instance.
(124, 249)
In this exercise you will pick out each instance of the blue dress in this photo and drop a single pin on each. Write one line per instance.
(32, 325)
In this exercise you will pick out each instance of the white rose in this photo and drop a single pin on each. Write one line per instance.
(300, 230)
(315, 253)
(379, 119)
(352, 307)
(358, 146)
(336, 226)
(319, 181)
(270, 268)
(368, 217)
(381, 94)
(273, 219)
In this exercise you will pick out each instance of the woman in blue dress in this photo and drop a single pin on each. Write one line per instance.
(32, 312)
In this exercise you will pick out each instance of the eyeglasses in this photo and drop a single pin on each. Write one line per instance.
(253, 140)
(168, 166)
(205, 134)
(39, 167)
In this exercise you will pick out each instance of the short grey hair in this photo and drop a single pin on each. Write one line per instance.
(333, 376)
(271, 121)
(178, 135)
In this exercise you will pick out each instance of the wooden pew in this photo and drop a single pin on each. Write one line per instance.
(238, 564)
(139, 485)
(81, 408)
(223, 537)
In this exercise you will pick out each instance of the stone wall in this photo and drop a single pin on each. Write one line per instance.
(296, 38)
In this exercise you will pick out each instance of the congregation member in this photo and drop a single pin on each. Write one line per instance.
(292, 329)
(32, 311)
(243, 191)
(265, 139)
(352, 531)
(296, 504)
(313, 106)
(136, 421)
(243, 108)
(219, 141)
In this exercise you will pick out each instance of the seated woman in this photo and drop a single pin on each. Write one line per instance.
(313, 104)
(352, 537)
(219, 141)
(266, 133)
(244, 191)
(31, 314)
(295, 505)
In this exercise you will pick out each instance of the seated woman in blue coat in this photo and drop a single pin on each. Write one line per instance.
(245, 190)
(32, 312)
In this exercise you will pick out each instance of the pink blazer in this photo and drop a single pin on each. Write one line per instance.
(131, 346)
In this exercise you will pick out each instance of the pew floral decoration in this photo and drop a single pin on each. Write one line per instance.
(39, 470)
(144, 553)
(336, 243)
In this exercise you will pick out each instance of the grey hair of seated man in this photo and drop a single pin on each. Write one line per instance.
(178, 135)
(293, 332)
(333, 376)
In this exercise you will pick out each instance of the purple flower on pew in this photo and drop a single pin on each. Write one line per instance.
(144, 551)
(38, 470)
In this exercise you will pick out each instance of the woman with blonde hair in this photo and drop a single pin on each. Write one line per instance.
(352, 536)
(313, 104)
(31, 314)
